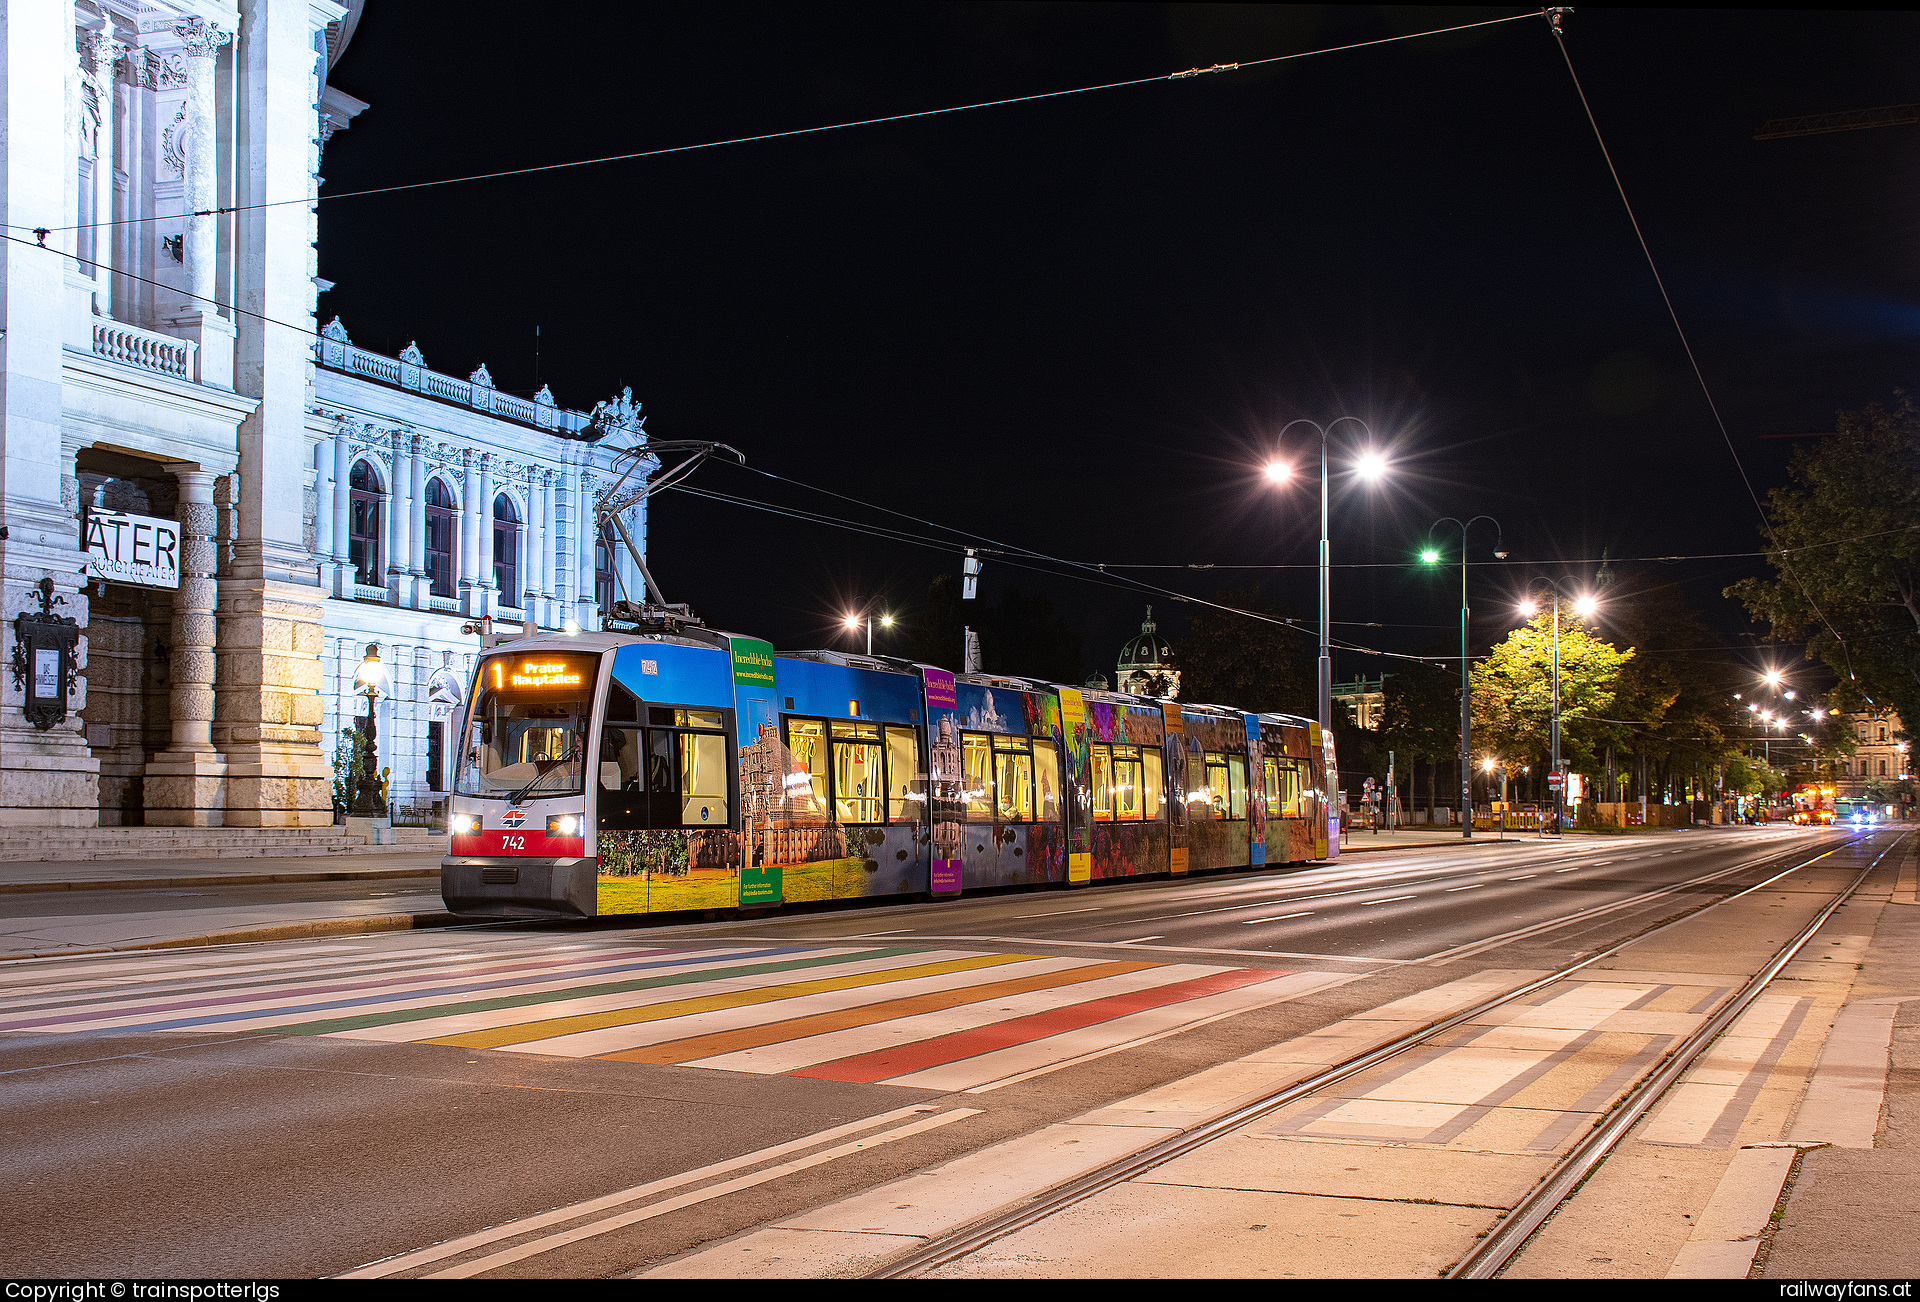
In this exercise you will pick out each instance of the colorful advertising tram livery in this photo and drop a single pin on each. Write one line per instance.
(609, 774)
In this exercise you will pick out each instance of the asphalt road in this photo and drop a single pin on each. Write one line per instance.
(205, 1147)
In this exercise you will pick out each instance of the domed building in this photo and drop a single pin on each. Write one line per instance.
(1146, 665)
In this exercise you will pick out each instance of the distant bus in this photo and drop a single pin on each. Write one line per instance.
(1857, 810)
(1812, 806)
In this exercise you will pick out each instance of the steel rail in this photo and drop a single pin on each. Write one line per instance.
(1493, 1253)
(971, 1238)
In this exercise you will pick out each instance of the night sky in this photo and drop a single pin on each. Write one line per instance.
(1078, 325)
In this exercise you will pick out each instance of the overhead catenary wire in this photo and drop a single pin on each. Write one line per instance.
(1560, 39)
(790, 133)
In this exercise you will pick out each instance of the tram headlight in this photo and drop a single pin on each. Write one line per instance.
(563, 825)
(465, 824)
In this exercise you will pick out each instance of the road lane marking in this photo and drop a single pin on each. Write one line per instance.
(1575, 868)
(1391, 899)
(1523, 877)
(1138, 940)
(1278, 917)
(512, 1229)
(1058, 913)
(1451, 889)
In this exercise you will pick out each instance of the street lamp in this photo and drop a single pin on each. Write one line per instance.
(854, 622)
(1583, 606)
(1370, 466)
(1432, 557)
(372, 681)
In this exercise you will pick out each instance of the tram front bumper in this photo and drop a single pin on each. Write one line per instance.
(519, 887)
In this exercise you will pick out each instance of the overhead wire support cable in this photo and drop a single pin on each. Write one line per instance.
(759, 137)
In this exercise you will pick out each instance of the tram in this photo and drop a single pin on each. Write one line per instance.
(693, 769)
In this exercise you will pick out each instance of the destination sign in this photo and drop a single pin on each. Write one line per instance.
(545, 673)
(125, 548)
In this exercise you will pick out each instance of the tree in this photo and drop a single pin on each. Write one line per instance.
(1846, 534)
(1513, 690)
(1228, 659)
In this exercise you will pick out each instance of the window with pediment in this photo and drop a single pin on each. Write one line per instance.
(440, 536)
(506, 549)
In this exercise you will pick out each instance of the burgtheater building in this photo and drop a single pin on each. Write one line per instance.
(229, 505)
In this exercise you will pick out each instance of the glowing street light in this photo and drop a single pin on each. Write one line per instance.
(853, 623)
(1370, 466)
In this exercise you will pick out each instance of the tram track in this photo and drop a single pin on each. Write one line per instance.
(1516, 1226)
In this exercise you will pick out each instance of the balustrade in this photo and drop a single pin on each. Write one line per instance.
(338, 355)
(145, 349)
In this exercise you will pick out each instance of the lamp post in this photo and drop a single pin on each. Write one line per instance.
(1370, 466)
(854, 622)
(1582, 606)
(371, 680)
(1432, 557)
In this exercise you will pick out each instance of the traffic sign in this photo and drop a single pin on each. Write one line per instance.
(1554, 779)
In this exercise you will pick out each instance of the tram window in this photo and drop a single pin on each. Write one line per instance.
(903, 770)
(622, 706)
(1013, 779)
(1216, 795)
(1151, 784)
(1127, 782)
(976, 762)
(1046, 779)
(1236, 786)
(858, 789)
(703, 779)
(807, 743)
(1100, 765)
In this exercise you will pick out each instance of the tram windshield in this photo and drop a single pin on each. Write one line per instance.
(527, 733)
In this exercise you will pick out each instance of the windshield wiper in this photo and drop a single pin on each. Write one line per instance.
(521, 794)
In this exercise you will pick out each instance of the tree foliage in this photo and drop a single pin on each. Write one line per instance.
(1513, 690)
(1228, 659)
(1847, 568)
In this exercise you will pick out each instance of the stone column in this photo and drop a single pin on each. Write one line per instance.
(587, 613)
(468, 584)
(185, 784)
(342, 508)
(198, 317)
(483, 531)
(549, 542)
(268, 709)
(47, 777)
(399, 519)
(533, 535)
(104, 53)
(420, 584)
(323, 501)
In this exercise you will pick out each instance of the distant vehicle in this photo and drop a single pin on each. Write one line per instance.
(1857, 811)
(1812, 806)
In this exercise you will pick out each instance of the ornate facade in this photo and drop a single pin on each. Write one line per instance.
(160, 359)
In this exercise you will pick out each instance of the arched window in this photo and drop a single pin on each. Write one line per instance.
(363, 525)
(440, 537)
(603, 585)
(506, 550)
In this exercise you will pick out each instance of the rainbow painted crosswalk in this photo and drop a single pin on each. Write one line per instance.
(939, 1019)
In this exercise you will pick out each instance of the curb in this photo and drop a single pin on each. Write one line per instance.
(285, 931)
(223, 879)
(1346, 850)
